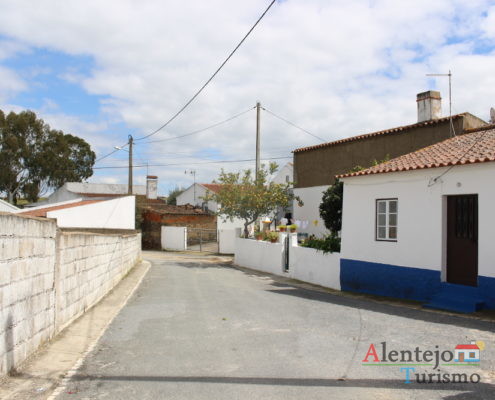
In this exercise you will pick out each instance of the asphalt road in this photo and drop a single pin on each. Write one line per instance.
(199, 330)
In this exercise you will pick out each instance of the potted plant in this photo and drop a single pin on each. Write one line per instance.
(292, 228)
(272, 237)
(258, 235)
(282, 228)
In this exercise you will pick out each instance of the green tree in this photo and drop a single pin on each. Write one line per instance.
(172, 196)
(248, 198)
(34, 158)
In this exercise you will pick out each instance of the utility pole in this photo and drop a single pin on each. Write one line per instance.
(193, 173)
(258, 107)
(129, 186)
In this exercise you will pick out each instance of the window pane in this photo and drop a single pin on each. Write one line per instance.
(382, 207)
(381, 233)
(382, 219)
(392, 206)
(392, 233)
(392, 219)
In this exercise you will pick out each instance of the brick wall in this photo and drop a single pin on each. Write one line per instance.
(153, 221)
(49, 277)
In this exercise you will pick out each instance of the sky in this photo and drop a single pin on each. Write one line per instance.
(103, 70)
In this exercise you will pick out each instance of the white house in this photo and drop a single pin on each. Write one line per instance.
(92, 191)
(284, 175)
(118, 213)
(7, 207)
(194, 195)
(467, 353)
(421, 226)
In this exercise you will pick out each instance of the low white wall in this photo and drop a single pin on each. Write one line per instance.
(48, 278)
(310, 265)
(109, 214)
(226, 241)
(259, 255)
(174, 238)
(305, 264)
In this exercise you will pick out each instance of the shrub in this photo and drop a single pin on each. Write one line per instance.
(327, 244)
(272, 236)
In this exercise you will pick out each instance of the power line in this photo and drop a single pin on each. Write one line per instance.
(112, 152)
(211, 77)
(294, 125)
(195, 163)
(201, 130)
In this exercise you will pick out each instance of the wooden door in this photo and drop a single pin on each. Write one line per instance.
(462, 239)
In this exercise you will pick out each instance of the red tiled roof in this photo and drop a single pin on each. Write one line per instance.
(212, 187)
(102, 194)
(399, 129)
(476, 146)
(467, 346)
(186, 209)
(41, 212)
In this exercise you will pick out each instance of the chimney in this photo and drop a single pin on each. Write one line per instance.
(151, 187)
(429, 105)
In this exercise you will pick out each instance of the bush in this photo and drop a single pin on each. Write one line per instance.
(327, 244)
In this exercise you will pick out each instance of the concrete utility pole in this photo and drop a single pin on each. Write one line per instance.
(129, 186)
(258, 107)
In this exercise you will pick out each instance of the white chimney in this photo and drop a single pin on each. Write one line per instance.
(151, 187)
(429, 105)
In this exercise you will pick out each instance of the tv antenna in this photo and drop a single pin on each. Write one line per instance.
(451, 128)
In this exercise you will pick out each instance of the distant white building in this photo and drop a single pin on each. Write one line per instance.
(92, 191)
(284, 174)
(117, 213)
(7, 207)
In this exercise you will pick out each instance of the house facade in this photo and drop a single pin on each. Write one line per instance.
(316, 166)
(421, 226)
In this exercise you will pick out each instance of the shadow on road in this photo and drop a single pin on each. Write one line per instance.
(384, 308)
(308, 382)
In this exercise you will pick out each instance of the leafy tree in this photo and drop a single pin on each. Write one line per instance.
(332, 200)
(35, 158)
(243, 196)
(172, 196)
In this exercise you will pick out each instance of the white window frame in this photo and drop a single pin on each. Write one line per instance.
(387, 225)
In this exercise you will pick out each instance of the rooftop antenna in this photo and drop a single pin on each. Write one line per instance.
(451, 128)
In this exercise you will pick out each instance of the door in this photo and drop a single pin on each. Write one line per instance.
(462, 239)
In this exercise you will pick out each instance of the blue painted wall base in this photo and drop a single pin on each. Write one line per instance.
(402, 282)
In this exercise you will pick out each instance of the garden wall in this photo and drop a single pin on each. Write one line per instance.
(49, 277)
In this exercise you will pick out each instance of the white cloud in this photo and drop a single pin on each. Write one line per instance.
(335, 68)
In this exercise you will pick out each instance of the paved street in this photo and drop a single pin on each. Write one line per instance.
(197, 329)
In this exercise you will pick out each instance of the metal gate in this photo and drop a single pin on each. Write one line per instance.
(286, 253)
(202, 240)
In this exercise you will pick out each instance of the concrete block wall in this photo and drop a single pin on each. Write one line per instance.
(48, 278)
(27, 259)
(89, 266)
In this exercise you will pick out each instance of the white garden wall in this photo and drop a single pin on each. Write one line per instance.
(259, 255)
(305, 264)
(174, 238)
(309, 265)
(49, 277)
(226, 241)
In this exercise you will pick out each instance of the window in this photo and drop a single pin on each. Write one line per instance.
(386, 219)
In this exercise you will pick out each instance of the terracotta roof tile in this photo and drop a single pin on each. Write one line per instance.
(212, 187)
(41, 212)
(186, 209)
(398, 129)
(476, 146)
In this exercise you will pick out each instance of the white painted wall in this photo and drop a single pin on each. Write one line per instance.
(118, 213)
(259, 255)
(311, 196)
(174, 238)
(226, 241)
(421, 216)
(309, 265)
(7, 207)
